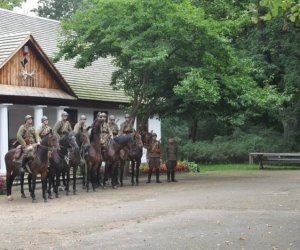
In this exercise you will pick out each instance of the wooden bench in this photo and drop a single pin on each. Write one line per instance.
(274, 158)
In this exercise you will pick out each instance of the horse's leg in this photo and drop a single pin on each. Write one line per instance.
(83, 173)
(105, 178)
(121, 171)
(68, 180)
(94, 176)
(88, 178)
(56, 181)
(132, 171)
(50, 177)
(29, 179)
(9, 181)
(137, 169)
(33, 187)
(22, 174)
(44, 184)
(74, 179)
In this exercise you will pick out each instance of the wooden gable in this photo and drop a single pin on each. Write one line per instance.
(37, 71)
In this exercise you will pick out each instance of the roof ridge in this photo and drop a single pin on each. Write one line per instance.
(26, 15)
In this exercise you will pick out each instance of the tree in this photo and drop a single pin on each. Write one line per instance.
(10, 4)
(162, 49)
(57, 9)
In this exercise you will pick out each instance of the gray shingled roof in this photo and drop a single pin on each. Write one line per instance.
(91, 83)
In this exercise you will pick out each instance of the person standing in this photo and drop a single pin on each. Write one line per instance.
(27, 136)
(44, 128)
(80, 124)
(62, 127)
(171, 158)
(154, 157)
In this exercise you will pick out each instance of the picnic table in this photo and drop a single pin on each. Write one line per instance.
(276, 158)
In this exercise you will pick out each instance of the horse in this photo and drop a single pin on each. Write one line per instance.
(134, 154)
(93, 157)
(38, 165)
(57, 161)
(112, 156)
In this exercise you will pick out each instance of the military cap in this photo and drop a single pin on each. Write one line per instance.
(44, 118)
(127, 116)
(103, 114)
(27, 117)
(82, 117)
(112, 117)
(64, 113)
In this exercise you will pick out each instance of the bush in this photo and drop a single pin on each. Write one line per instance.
(234, 148)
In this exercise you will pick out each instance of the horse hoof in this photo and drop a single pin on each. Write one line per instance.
(23, 196)
(56, 196)
(50, 196)
(10, 198)
(33, 200)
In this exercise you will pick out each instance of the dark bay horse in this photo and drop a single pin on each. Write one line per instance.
(134, 154)
(37, 166)
(112, 156)
(58, 160)
(93, 156)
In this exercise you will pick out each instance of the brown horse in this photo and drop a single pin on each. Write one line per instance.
(37, 166)
(93, 156)
(134, 155)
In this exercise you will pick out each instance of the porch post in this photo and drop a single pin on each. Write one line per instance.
(3, 135)
(38, 113)
(59, 110)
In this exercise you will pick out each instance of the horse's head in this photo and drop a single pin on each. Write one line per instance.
(83, 138)
(69, 141)
(137, 139)
(50, 140)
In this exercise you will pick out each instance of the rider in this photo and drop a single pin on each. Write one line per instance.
(63, 126)
(126, 126)
(44, 128)
(27, 137)
(113, 126)
(105, 131)
(80, 124)
(154, 158)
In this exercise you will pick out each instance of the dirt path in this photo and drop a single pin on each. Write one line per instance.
(216, 210)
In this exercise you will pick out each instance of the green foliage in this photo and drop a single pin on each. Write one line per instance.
(10, 4)
(234, 148)
(57, 9)
(193, 166)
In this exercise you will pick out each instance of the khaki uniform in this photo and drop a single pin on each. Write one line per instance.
(78, 126)
(62, 128)
(27, 135)
(106, 133)
(154, 159)
(43, 130)
(126, 128)
(171, 157)
(114, 128)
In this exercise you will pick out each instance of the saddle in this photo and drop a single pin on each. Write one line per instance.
(18, 153)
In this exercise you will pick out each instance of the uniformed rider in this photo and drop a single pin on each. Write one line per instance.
(27, 136)
(63, 126)
(80, 124)
(126, 127)
(113, 125)
(105, 131)
(44, 128)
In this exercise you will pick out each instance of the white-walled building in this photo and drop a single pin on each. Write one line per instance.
(31, 84)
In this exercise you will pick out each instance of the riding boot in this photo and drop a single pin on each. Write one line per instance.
(168, 175)
(173, 176)
(157, 176)
(149, 175)
(23, 164)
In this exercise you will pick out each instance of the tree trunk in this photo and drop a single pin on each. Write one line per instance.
(194, 128)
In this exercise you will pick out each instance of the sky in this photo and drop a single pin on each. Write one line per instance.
(26, 7)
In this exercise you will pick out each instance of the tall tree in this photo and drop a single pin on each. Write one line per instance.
(57, 9)
(162, 46)
(10, 4)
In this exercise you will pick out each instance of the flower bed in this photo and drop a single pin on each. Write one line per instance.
(181, 167)
(2, 185)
